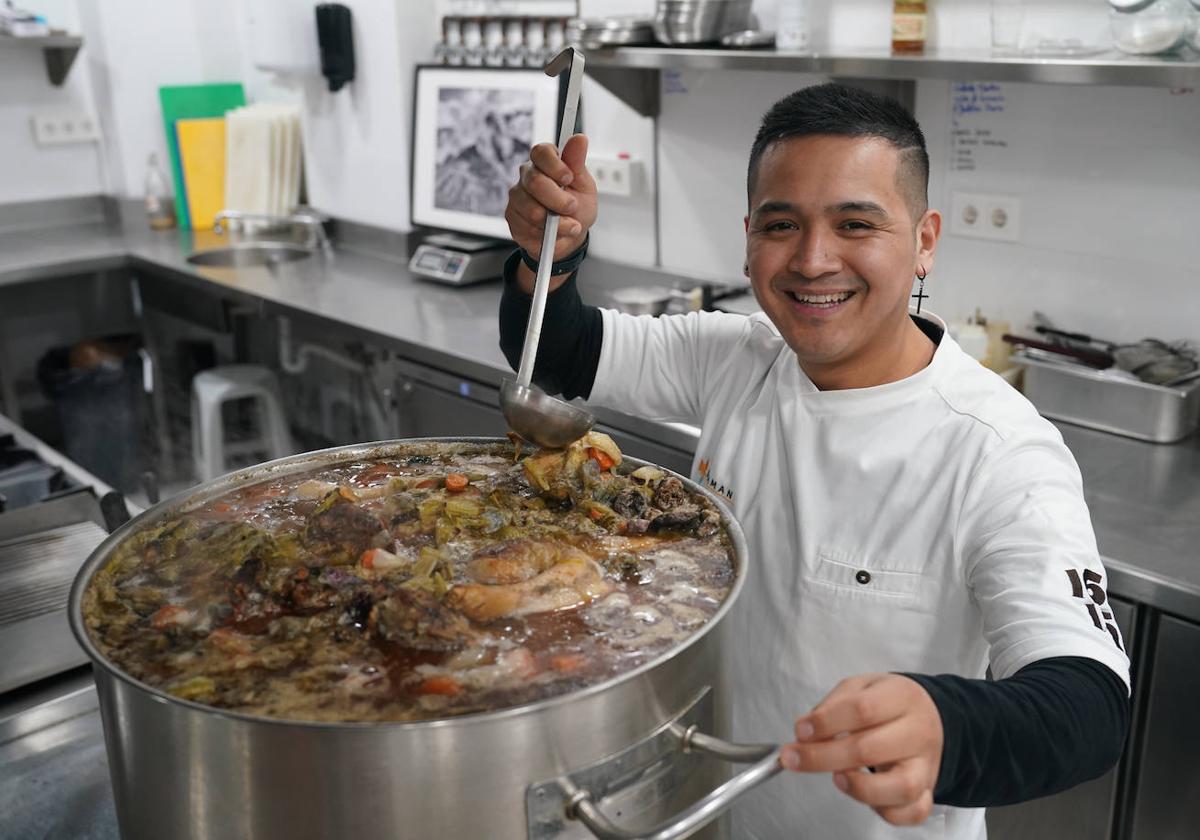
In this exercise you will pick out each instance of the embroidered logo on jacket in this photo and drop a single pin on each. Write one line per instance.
(711, 483)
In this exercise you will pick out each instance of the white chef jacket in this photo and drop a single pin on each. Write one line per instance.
(931, 525)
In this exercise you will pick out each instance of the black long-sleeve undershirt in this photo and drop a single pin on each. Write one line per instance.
(1055, 723)
(569, 349)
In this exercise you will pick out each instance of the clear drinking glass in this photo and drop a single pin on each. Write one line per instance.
(1007, 17)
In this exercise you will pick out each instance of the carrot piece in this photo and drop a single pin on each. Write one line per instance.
(457, 482)
(222, 507)
(428, 483)
(440, 684)
(367, 558)
(166, 616)
(600, 457)
(568, 663)
(595, 514)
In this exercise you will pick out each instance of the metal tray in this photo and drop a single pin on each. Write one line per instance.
(1088, 397)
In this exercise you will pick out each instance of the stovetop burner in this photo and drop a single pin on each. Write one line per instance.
(25, 479)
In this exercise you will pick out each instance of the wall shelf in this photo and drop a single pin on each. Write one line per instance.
(59, 52)
(633, 73)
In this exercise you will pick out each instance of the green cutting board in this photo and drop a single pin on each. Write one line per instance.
(180, 102)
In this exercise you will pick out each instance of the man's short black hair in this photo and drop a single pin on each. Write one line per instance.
(843, 111)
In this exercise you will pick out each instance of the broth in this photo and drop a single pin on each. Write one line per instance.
(440, 581)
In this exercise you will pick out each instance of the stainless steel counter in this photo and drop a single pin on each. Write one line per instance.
(1145, 498)
(54, 779)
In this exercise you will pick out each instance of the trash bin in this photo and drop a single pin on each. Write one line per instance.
(96, 388)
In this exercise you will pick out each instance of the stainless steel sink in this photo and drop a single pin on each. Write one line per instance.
(251, 254)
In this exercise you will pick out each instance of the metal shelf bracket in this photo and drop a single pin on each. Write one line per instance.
(59, 61)
(59, 52)
(638, 87)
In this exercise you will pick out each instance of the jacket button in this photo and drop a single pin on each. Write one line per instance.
(863, 576)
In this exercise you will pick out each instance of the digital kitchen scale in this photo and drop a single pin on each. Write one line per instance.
(458, 260)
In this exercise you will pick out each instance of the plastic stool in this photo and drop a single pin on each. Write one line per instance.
(213, 388)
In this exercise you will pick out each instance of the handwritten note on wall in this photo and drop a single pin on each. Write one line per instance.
(976, 123)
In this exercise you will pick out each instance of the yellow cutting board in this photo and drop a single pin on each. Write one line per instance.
(202, 158)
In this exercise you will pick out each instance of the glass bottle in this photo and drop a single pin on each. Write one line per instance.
(908, 26)
(160, 207)
(791, 30)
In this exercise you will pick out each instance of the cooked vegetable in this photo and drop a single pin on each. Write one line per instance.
(381, 560)
(603, 443)
(440, 684)
(456, 482)
(601, 457)
(647, 475)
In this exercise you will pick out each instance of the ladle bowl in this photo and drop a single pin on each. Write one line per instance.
(540, 418)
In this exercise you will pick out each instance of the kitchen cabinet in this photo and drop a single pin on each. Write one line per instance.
(432, 403)
(1167, 799)
(1085, 811)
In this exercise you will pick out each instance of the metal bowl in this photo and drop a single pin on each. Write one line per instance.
(685, 22)
(642, 300)
(597, 33)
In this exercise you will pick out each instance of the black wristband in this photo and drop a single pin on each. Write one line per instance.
(567, 265)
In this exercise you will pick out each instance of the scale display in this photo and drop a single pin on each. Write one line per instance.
(445, 264)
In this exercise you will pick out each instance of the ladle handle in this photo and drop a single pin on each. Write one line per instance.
(570, 60)
(541, 289)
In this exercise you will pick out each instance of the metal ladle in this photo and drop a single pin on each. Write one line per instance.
(531, 413)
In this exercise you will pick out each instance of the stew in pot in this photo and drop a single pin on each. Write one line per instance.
(444, 580)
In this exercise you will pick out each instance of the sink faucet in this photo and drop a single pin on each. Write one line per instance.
(304, 218)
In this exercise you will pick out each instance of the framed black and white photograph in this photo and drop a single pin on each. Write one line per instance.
(473, 128)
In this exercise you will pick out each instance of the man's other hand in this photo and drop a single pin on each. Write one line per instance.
(881, 737)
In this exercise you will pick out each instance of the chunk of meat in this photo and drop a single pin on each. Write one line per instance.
(574, 580)
(683, 518)
(631, 503)
(417, 619)
(339, 530)
(670, 494)
(687, 519)
(515, 560)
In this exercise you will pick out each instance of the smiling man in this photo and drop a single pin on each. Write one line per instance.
(911, 519)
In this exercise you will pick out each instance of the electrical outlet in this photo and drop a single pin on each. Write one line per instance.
(57, 128)
(986, 216)
(620, 175)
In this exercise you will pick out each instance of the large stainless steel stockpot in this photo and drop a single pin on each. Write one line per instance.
(618, 759)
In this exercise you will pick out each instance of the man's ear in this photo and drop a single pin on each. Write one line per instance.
(929, 230)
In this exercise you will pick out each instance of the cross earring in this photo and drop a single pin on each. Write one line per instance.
(920, 295)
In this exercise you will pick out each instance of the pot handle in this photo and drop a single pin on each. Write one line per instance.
(764, 760)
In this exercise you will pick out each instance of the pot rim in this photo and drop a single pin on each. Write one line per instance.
(204, 491)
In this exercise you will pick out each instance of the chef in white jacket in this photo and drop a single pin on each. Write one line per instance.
(911, 519)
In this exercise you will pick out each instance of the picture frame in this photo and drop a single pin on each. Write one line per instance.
(473, 127)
